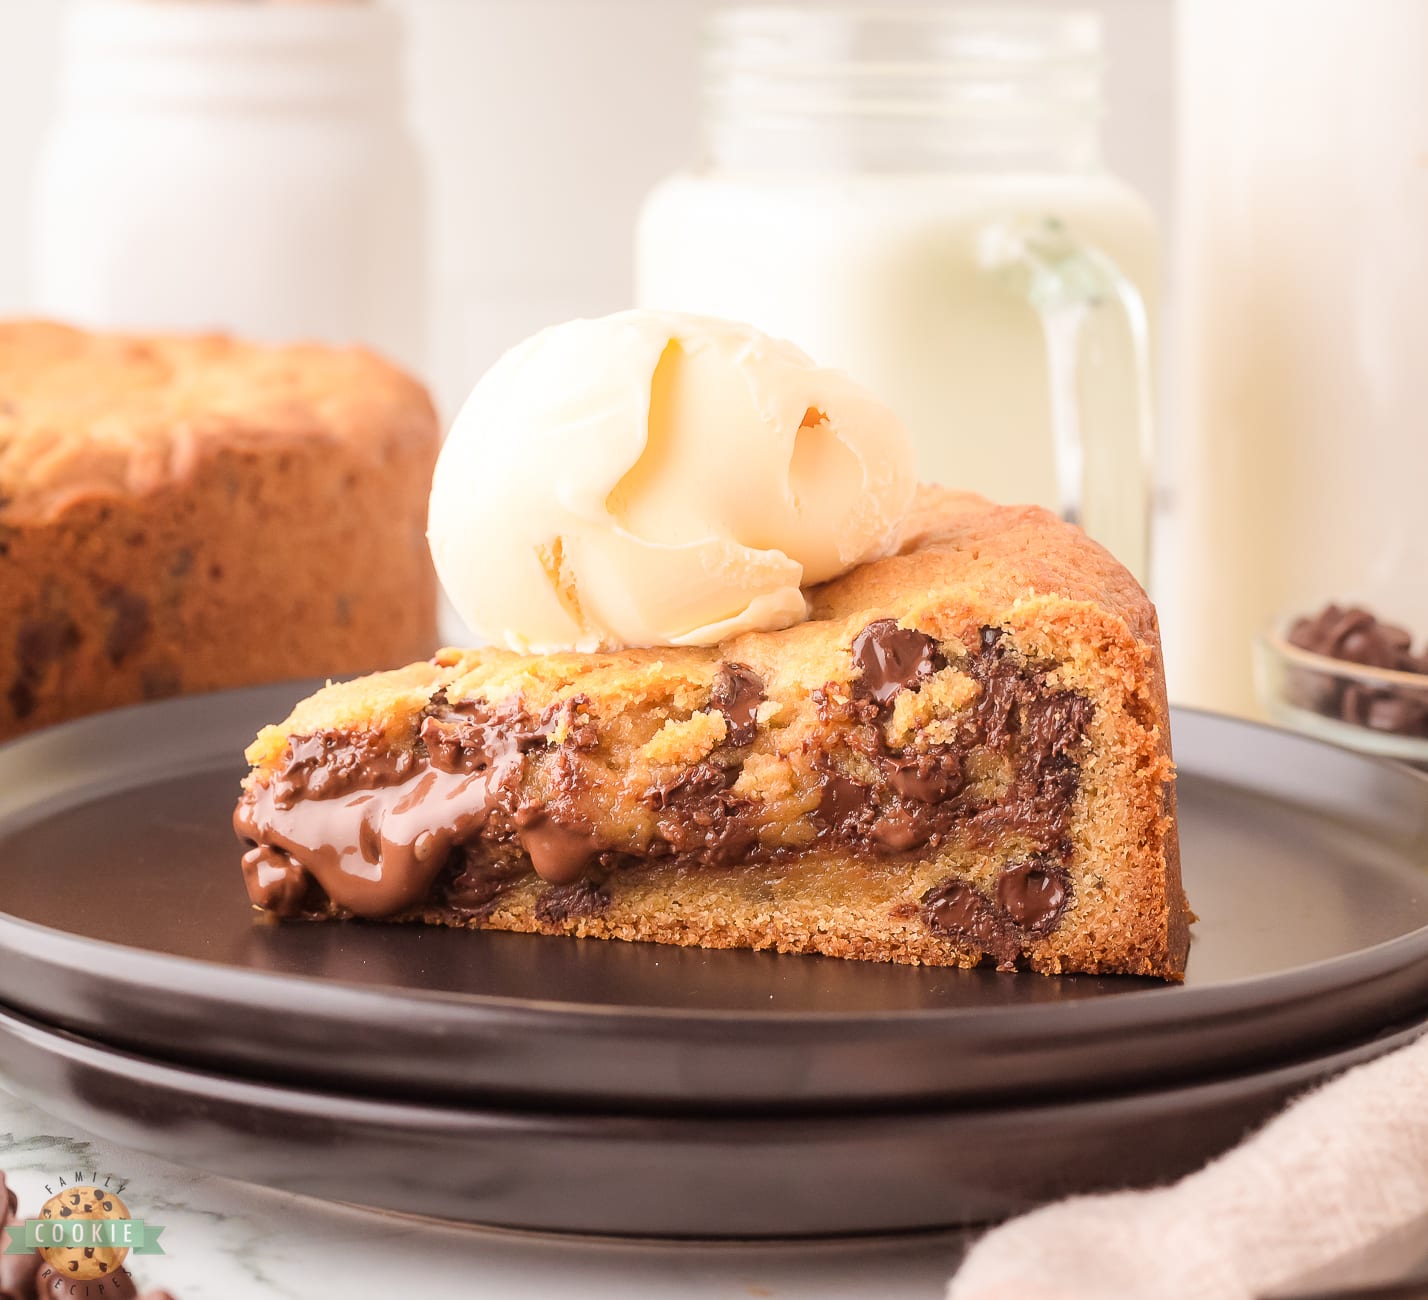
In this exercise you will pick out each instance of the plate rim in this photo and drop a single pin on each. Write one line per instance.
(1226, 1109)
(35, 947)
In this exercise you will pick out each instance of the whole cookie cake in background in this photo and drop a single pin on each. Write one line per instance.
(182, 514)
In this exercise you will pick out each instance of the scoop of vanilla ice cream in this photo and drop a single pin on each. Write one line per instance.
(653, 478)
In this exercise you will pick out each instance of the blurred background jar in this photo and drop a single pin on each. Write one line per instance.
(917, 197)
(238, 165)
(1303, 384)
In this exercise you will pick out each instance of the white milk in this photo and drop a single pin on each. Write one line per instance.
(980, 272)
(1304, 282)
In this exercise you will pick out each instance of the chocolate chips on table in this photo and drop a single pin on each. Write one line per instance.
(1356, 636)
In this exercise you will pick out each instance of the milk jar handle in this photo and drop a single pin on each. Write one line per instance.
(1067, 282)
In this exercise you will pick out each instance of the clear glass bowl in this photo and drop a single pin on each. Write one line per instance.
(1376, 710)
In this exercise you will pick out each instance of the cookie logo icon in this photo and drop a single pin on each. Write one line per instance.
(85, 1204)
(78, 1243)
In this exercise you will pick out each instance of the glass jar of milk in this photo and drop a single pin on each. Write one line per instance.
(917, 197)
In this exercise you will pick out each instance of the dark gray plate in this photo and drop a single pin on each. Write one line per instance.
(123, 918)
(660, 1175)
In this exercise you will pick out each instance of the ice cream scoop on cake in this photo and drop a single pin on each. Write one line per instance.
(861, 723)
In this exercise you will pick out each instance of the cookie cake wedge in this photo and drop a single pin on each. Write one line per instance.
(960, 753)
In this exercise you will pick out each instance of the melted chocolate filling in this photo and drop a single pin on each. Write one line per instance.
(1030, 897)
(473, 883)
(279, 884)
(921, 796)
(453, 821)
(699, 819)
(959, 911)
(561, 903)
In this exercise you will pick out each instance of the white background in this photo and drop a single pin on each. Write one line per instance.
(544, 123)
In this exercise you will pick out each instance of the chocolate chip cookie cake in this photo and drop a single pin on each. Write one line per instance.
(961, 755)
(185, 514)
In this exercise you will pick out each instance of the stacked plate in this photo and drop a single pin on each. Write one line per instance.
(612, 1088)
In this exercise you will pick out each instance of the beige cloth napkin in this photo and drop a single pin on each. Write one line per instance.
(1342, 1173)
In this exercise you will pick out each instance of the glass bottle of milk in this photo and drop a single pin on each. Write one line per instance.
(917, 198)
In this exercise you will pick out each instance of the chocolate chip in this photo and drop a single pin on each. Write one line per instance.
(1355, 635)
(280, 885)
(959, 911)
(329, 764)
(559, 851)
(475, 887)
(561, 903)
(472, 739)
(1034, 894)
(569, 718)
(41, 641)
(39, 644)
(737, 693)
(21, 698)
(701, 818)
(890, 659)
(1316, 691)
(128, 623)
(841, 800)
(1401, 713)
(473, 736)
(693, 784)
(898, 831)
(160, 681)
(928, 777)
(1015, 713)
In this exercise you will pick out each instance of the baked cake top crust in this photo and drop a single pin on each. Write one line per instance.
(85, 415)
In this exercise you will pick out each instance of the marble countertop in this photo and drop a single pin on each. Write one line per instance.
(225, 1240)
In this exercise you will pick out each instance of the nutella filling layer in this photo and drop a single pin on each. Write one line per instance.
(485, 797)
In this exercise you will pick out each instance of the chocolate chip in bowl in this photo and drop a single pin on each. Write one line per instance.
(1347, 675)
